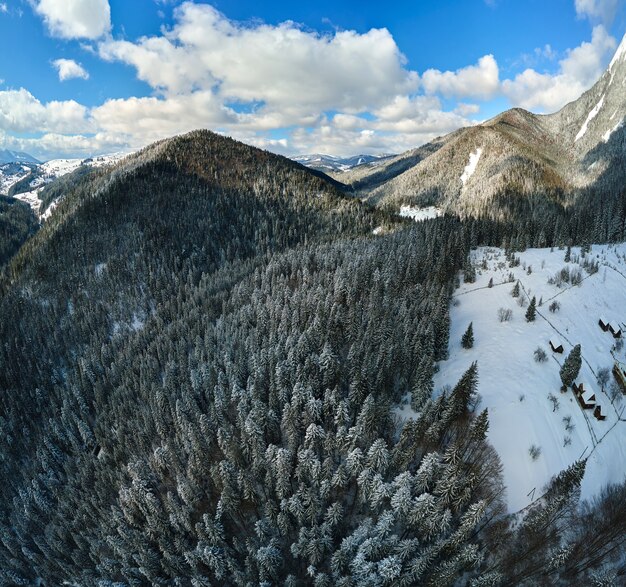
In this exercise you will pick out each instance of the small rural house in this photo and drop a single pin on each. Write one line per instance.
(556, 346)
(585, 395)
(599, 413)
(604, 324)
(619, 371)
(615, 329)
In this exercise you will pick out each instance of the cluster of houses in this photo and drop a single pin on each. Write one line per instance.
(612, 326)
(587, 399)
(583, 392)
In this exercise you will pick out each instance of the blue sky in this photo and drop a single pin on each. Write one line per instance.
(83, 77)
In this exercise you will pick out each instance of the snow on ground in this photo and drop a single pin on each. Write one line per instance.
(7, 181)
(31, 198)
(471, 166)
(419, 214)
(50, 209)
(608, 133)
(590, 117)
(59, 167)
(515, 388)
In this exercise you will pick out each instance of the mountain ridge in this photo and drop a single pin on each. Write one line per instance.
(559, 156)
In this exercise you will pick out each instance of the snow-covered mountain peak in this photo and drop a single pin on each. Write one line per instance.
(620, 54)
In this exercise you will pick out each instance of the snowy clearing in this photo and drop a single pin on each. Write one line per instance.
(31, 198)
(516, 388)
(420, 214)
(471, 166)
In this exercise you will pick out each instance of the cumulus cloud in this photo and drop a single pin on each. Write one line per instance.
(476, 81)
(577, 72)
(4, 8)
(75, 19)
(282, 66)
(597, 10)
(69, 69)
(21, 112)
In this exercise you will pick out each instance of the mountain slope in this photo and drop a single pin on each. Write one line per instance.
(16, 157)
(553, 159)
(329, 163)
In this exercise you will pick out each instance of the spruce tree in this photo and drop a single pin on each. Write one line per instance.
(515, 292)
(531, 312)
(571, 367)
(467, 341)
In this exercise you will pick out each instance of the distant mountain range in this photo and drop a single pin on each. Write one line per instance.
(330, 163)
(16, 157)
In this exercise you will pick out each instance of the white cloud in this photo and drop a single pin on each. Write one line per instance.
(4, 8)
(597, 10)
(21, 112)
(475, 81)
(464, 109)
(75, 19)
(577, 73)
(282, 66)
(69, 69)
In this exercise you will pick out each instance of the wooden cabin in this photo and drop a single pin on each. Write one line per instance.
(556, 346)
(585, 395)
(599, 413)
(587, 399)
(615, 329)
(619, 372)
(604, 324)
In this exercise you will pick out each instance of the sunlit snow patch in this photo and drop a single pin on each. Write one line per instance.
(592, 115)
(420, 214)
(608, 133)
(471, 166)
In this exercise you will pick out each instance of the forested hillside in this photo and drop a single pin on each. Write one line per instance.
(202, 352)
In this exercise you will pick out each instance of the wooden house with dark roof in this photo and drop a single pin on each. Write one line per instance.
(599, 413)
(585, 395)
(556, 346)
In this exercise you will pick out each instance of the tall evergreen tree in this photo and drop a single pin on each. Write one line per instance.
(531, 311)
(467, 341)
(571, 367)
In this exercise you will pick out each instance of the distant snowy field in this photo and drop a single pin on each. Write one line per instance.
(47, 173)
(515, 388)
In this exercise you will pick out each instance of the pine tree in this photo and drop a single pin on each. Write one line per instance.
(568, 254)
(515, 292)
(467, 341)
(571, 367)
(532, 310)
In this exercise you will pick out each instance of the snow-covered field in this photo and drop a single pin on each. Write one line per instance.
(515, 388)
(7, 180)
(47, 173)
(419, 214)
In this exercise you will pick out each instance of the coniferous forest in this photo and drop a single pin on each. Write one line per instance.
(202, 355)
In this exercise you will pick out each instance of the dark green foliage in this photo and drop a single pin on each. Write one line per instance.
(568, 254)
(17, 224)
(515, 290)
(531, 311)
(571, 367)
(467, 340)
(207, 397)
